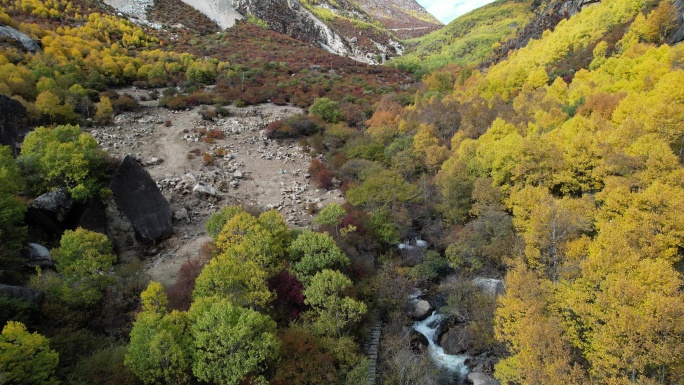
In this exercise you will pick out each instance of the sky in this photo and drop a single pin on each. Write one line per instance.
(447, 10)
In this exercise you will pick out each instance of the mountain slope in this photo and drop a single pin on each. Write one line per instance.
(365, 32)
(469, 39)
(405, 18)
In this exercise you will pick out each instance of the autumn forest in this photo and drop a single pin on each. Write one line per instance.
(555, 167)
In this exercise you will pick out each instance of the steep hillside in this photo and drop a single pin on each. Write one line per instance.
(468, 40)
(364, 32)
(405, 18)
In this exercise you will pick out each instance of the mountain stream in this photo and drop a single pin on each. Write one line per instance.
(453, 363)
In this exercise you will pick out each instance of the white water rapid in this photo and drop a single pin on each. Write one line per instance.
(452, 363)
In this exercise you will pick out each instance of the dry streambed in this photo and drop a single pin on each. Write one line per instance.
(198, 176)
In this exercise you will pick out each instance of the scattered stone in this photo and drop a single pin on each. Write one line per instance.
(202, 189)
(181, 214)
(237, 174)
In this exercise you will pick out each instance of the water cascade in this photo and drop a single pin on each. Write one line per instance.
(453, 363)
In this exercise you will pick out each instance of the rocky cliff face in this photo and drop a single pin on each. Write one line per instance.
(364, 31)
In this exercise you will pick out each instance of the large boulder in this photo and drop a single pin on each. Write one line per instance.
(458, 340)
(19, 38)
(477, 378)
(37, 255)
(50, 214)
(421, 310)
(11, 111)
(140, 201)
(55, 204)
(94, 217)
(22, 293)
(490, 286)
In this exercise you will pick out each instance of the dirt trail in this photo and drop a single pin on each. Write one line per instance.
(246, 169)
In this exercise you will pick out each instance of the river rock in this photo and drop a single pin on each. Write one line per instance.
(477, 378)
(140, 201)
(22, 293)
(490, 286)
(37, 255)
(421, 310)
(457, 340)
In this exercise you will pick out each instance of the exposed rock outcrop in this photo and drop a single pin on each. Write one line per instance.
(477, 378)
(11, 111)
(140, 201)
(22, 293)
(37, 255)
(346, 34)
(21, 39)
(50, 214)
(490, 286)
(678, 35)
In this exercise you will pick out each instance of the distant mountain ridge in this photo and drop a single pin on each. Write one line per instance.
(368, 31)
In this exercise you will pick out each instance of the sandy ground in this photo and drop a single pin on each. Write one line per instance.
(247, 169)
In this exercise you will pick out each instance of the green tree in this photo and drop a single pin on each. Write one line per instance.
(12, 210)
(326, 109)
(234, 277)
(331, 215)
(312, 252)
(335, 312)
(160, 350)
(217, 220)
(26, 358)
(104, 111)
(382, 189)
(231, 342)
(83, 259)
(64, 157)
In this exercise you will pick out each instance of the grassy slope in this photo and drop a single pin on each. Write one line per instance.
(468, 39)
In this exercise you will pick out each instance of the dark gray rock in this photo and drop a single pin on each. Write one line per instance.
(121, 232)
(11, 112)
(678, 35)
(140, 201)
(50, 214)
(94, 217)
(37, 255)
(7, 32)
(477, 378)
(55, 204)
(22, 293)
(457, 340)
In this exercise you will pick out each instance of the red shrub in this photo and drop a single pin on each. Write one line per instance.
(180, 294)
(289, 300)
